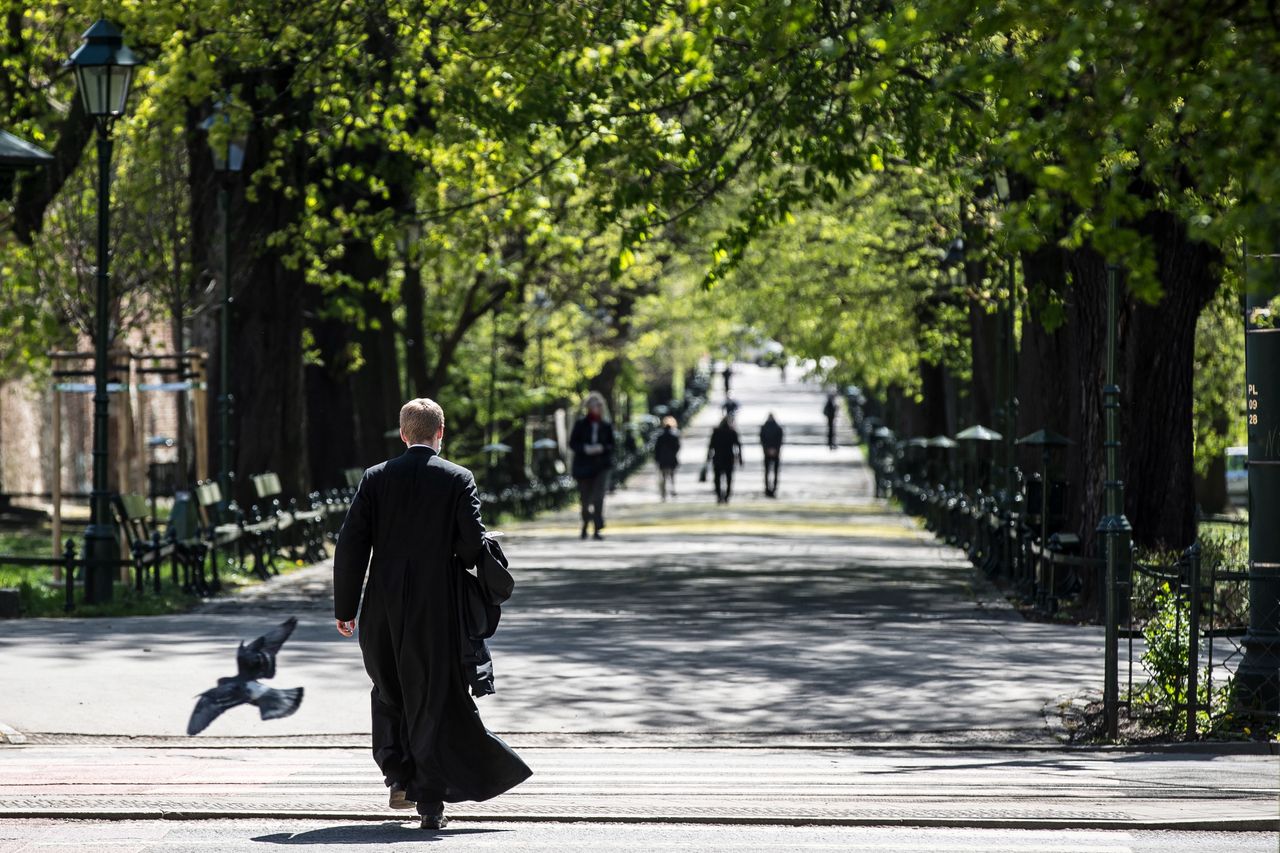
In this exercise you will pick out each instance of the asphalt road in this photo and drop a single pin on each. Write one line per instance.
(812, 672)
(242, 836)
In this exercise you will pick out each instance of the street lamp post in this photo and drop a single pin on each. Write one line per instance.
(227, 147)
(1114, 527)
(104, 69)
(1009, 399)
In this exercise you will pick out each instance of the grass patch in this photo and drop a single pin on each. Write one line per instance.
(41, 596)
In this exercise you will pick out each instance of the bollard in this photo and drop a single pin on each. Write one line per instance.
(69, 574)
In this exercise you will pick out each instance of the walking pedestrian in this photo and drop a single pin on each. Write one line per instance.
(771, 441)
(830, 410)
(419, 517)
(728, 376)
(592, 444)
(724, 450)
(729, 407)
(666, 452)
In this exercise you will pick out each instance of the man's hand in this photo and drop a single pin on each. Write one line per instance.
(348, 628)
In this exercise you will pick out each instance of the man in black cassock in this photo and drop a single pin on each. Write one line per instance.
(417, 513)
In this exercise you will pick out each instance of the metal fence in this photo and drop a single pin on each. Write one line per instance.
(1182, 616)
(1186, 618)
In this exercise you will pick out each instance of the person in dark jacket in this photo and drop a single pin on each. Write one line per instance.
(592, 444)
(771, 441)
(666, 452)
(725, 449)
(829, 410)
(416, 514)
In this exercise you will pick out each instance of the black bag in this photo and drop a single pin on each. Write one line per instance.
(482, 589)
(702, 474)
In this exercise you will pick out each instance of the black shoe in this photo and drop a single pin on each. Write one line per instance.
(596, 536)
(584, 531)
(434, 821)
(398, 798)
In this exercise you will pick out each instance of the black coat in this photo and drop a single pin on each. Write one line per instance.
(416, 513)
(666, 448)
(771, 435)
(586, 466)
(725, 448)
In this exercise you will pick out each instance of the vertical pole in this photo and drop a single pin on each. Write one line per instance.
(493, 386)
(1114, 527)
(225, 399)
(56, 474)
(101, 549)
(1258, 677)
(1193, 638)
(1011, 382)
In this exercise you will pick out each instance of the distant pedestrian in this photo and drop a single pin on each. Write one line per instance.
(830, 410)
(771, 441)
(666, 452)
(728, 376)
(729, 407)
(592, 444)
(725, 449)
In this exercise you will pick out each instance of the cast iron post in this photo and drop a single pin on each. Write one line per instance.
(226, 477)
(1114, 527)
(102, 549)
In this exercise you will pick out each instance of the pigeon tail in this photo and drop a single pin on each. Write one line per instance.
(274, 704)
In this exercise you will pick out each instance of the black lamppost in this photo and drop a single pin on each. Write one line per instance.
(227, 146)
(1009, 368)
(1114, 527)
(17, 154)
(104, 69)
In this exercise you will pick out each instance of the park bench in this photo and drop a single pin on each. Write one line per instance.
(338, 501)
(300, 530)
(220, 528)
(150, 548)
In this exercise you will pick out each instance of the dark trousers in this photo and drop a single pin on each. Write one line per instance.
(771, 472)
(390, 751)
(831, 432)
(666, 481)
(724, 484)
(592, 490)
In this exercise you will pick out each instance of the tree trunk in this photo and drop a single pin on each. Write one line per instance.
(1156, 346)
(1159, 359)
(415, 333)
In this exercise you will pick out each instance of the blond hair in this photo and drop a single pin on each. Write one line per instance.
(669, 421)
(597, 397)
(421, 420)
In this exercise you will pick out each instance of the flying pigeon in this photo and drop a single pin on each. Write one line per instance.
(253, 661)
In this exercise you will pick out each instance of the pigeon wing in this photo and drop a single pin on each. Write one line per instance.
(274, 704)
(210, 706)
(258, 659)
(274, 639)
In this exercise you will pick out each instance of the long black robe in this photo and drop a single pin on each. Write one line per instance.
(414, 513)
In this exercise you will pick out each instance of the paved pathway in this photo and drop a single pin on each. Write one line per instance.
(814, 659)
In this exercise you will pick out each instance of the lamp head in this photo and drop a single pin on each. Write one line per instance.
(104, 70)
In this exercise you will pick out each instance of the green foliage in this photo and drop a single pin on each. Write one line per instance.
(1167, 638)
(1219, 413)
(785, 152)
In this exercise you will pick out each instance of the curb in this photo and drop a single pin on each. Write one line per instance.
(624, 741)
(1255, 824)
